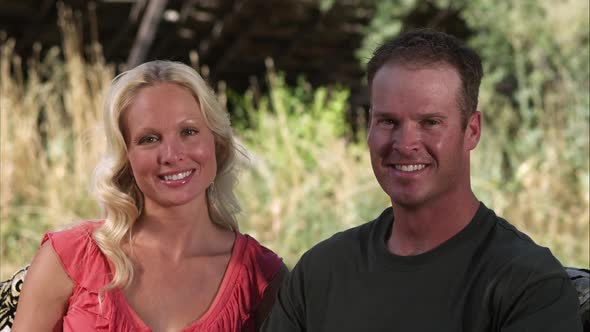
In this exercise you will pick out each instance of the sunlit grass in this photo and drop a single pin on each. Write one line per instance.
(304, 182)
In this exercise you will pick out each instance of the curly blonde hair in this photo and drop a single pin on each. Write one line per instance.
(114, 185)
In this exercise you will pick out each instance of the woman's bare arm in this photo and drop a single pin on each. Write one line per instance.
(45, 293)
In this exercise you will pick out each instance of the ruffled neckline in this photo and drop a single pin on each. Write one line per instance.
(218, 303)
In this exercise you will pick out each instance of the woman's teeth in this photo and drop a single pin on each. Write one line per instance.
(178, 176)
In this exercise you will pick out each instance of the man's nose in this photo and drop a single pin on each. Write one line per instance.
(406, 139)
(172, 151)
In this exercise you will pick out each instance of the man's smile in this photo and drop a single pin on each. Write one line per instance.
(410, 167)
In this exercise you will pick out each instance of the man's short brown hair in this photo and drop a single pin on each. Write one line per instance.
(431, 48)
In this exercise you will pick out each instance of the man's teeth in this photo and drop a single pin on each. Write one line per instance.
(409, 168)
(178, 176)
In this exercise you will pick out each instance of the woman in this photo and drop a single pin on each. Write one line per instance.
(168, 255)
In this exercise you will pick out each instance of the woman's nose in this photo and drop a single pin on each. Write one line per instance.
(172, 151)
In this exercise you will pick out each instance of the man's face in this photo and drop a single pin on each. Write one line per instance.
(419, 148)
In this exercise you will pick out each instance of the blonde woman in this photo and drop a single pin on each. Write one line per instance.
(168, 255)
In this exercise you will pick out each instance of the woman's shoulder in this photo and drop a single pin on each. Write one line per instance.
(260, 258)
(78, 253)
(259, 267)
(78, 232)
(73, 237)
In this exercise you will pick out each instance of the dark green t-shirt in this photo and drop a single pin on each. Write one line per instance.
(488, 277)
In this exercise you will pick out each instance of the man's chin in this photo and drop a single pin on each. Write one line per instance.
(407, 200)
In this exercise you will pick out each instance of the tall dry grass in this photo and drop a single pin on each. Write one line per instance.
(49, 139)
(533, 164)
(305, 181)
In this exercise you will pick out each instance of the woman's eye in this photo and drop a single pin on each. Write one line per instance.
(387, 123)
(148, 140)
(189, 132)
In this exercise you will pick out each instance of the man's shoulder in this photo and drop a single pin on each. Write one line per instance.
(515, 251)
(509, 238)
(344, 240)
(346, 247)
(524, 282)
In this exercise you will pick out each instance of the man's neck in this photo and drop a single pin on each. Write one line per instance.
(418, 230)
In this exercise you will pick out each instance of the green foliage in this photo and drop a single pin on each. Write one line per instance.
(394, 16)
(305, 181)
(532, 164)
(546, 71)
(325, 5)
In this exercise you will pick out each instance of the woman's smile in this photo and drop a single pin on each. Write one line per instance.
(170, 147)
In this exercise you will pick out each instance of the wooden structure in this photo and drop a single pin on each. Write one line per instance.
(231, 37)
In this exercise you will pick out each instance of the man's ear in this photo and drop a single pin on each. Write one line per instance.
(369, 121)
(473, 130)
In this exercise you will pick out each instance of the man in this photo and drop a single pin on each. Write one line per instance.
(438, 260)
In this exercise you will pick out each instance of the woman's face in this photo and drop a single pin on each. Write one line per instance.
(169, 146)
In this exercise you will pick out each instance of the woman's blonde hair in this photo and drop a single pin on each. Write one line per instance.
(114, 185)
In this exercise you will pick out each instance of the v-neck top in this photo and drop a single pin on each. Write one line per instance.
(250, 270)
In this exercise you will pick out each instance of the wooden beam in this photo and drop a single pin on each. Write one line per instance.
(147, 31)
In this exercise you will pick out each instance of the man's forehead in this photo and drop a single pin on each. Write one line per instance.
(410, 68)
(402, 75)
(423, 112)
(422, 92)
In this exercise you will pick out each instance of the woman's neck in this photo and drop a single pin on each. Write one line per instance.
(178, 232)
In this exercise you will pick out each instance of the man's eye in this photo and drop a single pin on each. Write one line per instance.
(430, 122)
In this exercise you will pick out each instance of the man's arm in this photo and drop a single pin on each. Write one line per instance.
(545, 304)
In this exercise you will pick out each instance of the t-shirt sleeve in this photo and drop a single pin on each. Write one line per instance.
(538, 297)
(288, 311)
(546, 306)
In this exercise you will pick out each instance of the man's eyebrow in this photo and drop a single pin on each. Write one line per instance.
(433, 115)
(379, 112)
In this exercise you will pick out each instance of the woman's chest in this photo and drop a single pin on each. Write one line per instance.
(170, 298)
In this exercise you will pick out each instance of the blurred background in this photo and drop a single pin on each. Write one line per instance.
(290, 73)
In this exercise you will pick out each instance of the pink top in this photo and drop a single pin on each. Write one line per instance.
(250, 269)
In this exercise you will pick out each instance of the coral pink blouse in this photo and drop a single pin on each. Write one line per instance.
(250, 270)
